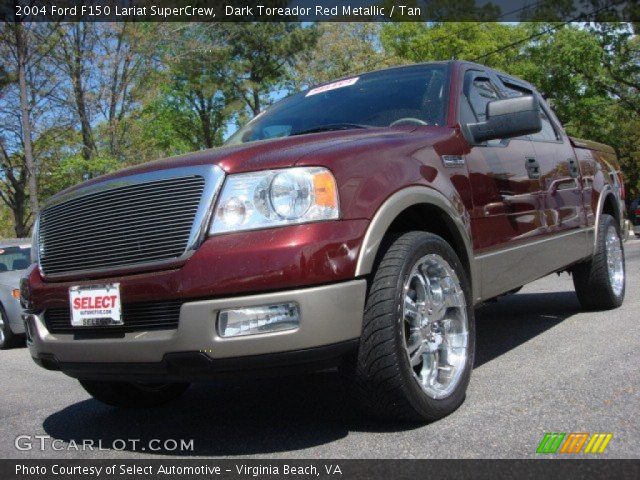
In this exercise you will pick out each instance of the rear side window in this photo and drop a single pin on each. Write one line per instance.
(479, 92)
(513, 90)
(548, 132)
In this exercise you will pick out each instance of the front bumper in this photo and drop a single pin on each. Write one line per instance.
(330, 315)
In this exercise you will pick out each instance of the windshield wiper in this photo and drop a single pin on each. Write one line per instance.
(331, 127)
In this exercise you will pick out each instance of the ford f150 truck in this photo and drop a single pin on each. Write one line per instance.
(355, 224)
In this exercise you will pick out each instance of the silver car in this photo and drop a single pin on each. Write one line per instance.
(15, 258)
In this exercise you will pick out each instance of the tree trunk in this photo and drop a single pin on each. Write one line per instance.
(204, 112)
(76, 69)
(114, 91)
(88, 145)
(19, 217)
(22, 50)
(256, 102)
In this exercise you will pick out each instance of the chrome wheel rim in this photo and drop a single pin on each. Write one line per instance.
(1, 330)
(615, 262)
(435, 326)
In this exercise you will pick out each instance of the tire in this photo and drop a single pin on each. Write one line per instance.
(386, 382)
(128, 395)
(599, 287)
(8, 339)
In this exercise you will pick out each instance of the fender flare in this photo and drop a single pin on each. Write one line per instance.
(394, 206)
(604, 194)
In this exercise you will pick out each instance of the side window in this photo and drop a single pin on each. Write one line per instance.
(479, 92)
(548, 133)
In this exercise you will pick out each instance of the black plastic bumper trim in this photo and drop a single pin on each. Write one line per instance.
(195, 366)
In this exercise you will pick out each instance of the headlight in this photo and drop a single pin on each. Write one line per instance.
(273, 198)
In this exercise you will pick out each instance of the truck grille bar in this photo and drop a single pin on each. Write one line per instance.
(138, 220)
(136, 317)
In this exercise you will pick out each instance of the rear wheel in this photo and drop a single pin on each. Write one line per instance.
(417, 345)
(600, 282)
(134, 395)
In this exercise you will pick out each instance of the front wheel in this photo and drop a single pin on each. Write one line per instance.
(600, 282)
(129, 395)
(417, 345)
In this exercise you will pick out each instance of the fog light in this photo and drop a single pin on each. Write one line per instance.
(261, 319)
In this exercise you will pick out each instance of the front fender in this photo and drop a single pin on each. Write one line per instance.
(399, 202)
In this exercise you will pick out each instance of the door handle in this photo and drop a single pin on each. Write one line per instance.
(564, 184)
(574, 171)
(533, 168)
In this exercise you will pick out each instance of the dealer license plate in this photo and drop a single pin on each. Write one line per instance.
(95, 305)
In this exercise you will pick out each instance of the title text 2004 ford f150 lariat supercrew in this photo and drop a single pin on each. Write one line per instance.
(355, 224)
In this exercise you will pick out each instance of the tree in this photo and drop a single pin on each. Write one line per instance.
(421, 42)
(620, 58)
(18, 39)
(342, 49)
(261, 54)
(26, 91)
(77, 43)
(127, 51)
(194, 98)
(14, 191)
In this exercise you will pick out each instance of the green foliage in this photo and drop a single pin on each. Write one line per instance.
(195, 97)
(75, 169)
(343, 49)
(261, 53)
(6, 222)
(421, 42)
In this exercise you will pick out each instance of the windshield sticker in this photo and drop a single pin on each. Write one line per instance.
(332, 86)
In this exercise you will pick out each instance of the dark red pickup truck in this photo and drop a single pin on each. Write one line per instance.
(356, 224)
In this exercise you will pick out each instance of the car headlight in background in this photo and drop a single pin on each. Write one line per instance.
(272, 198)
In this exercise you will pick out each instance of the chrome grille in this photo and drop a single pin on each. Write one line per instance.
(136, 316)
(125, 224)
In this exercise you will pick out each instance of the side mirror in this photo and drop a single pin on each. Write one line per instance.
(508, 118)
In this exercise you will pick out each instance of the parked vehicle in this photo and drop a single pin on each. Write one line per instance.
(356, 224)
(15, 258)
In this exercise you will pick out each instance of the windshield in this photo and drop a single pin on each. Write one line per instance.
(15, 258)
(412, 95)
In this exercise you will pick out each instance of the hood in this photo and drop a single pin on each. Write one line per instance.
(275, 153)
(12, 278)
